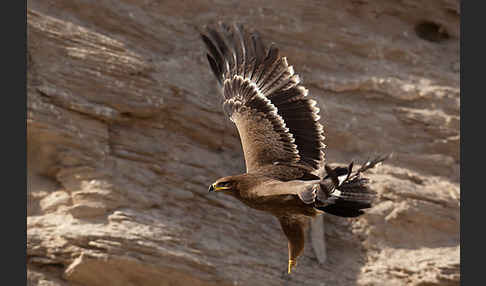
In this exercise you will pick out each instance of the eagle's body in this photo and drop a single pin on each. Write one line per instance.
(274, 194)
(281, 136)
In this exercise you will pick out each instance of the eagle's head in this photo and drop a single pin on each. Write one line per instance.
(223, 184)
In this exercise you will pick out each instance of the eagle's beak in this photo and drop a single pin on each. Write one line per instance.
(214, 188)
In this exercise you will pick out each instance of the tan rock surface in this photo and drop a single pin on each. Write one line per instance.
(125, 132)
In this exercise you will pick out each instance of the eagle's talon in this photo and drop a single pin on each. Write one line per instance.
(292, 263)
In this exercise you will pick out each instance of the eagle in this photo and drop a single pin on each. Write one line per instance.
(281, 137)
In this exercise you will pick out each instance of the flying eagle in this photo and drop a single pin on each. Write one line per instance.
(281, 137)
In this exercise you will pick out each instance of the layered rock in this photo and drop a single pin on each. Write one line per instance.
(126, 131)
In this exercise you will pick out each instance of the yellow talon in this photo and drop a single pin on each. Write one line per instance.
(292, 263)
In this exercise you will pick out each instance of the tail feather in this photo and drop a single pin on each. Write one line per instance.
(344, 193)
(342, 211)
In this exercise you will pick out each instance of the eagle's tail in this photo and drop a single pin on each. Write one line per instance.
(344, 193)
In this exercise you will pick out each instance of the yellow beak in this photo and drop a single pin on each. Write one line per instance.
(213, 188)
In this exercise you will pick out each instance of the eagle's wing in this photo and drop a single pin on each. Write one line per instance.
(276, 120)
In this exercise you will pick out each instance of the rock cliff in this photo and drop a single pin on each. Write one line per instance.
(126, 131)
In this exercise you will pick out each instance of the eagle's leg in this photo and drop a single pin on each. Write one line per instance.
(295, 248)
(294, 228)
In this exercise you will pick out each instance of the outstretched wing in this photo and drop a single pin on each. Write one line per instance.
(276, 120)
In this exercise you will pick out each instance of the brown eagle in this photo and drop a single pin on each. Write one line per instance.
(281, 137)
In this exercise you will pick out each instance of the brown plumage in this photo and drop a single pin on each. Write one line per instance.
(281, 137)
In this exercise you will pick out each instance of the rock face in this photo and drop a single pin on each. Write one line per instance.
(126, 131)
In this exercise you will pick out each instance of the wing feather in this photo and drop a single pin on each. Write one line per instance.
(264, 98)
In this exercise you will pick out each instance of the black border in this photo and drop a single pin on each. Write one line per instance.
(15, 77)
(472, 119)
